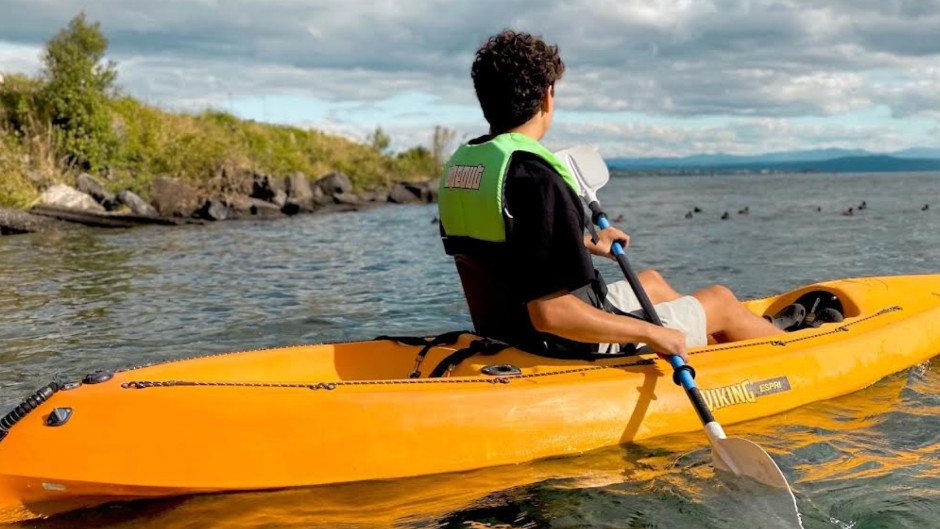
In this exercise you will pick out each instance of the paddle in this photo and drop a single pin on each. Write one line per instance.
(738, 456)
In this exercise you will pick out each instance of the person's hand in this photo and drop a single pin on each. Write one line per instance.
(606, 239)
(667, 342)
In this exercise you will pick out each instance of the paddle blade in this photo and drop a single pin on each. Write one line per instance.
(587, 166)
(745, 458)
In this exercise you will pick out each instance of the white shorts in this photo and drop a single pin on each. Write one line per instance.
(685, 314)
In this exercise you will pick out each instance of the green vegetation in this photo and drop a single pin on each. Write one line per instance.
(71, 118)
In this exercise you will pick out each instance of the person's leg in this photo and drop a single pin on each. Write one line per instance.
(656, 287)
(728, 320)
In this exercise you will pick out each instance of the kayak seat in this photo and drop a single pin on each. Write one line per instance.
(809, 310)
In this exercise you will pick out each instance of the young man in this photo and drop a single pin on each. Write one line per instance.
(512, 219)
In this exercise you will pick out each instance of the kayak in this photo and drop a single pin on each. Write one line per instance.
(401, 407)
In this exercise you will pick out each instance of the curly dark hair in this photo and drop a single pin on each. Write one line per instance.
(512, 72)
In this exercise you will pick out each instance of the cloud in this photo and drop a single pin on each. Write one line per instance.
(745, 60)
(744, 136)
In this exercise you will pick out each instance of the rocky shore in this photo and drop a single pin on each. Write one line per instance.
(232, 195)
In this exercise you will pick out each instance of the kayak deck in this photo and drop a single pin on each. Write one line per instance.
(336, 413)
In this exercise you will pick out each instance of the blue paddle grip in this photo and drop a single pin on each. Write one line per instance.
(685, 377)
(603, 223)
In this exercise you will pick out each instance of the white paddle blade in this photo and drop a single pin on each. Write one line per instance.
(745, 458)
(587, 166)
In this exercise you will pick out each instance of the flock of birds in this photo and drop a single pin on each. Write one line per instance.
(747, 211)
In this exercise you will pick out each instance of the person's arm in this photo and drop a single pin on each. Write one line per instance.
(567, 316)
(605, 239)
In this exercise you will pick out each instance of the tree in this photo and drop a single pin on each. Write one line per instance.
(75, 94)
(379, 139)
(441, 143)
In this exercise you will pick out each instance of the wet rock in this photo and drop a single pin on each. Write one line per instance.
(296, 207)
(213, 209)
(266, 187)
(174, 198)
(136, 204)
(13, 221)
(298, 188)
(63, 196)
(432, 191)
(90, 186)
(404, 194)
(280, 198)
(374, 196)
(345, 198)
(263, 209)
(334, 183)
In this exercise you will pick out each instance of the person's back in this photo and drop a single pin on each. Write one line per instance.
(511, 217)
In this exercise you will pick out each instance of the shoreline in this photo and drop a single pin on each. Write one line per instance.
(249, 196)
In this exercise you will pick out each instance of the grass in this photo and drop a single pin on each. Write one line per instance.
(194, 147)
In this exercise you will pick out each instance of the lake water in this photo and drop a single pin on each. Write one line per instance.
(71, 303)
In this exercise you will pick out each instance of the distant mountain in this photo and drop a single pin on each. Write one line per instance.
(766, 161)
(918, 152)
(845, 164)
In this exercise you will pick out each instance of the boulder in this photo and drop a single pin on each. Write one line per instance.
(280, 198)
(297, 207)
(263, 208)
(298, 187)
(334, 183)
(90, 186)
(213, 209)
(374, 196)
(345, 198)
(239, 205)
(137, 205)
(14, 221)
(63, 196)
(266, 187)
(174, 198)
(404, 194)
(432, 190)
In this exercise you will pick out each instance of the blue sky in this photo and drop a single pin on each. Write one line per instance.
(644, 77)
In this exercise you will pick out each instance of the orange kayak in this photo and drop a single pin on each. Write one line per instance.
(336, 413)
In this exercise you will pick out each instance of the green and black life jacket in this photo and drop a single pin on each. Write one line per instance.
(470, 198)
(476, 227)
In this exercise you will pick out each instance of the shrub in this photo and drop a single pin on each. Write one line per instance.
(77, 85)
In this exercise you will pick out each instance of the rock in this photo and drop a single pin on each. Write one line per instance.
(90, 186)
(213, 209)
(13, 221)
(247, 207)
(345, 198)
(334, 183)
(138, 205)
(280, 198)
(374, 196)
(174, 198)
(297, 207)
(238, 205)
(263, 208)
(404, 194)
(266, 187)
(426, 190)
(63, 196)
(298, 187)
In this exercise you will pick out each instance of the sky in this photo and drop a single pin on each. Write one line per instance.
(643, 77)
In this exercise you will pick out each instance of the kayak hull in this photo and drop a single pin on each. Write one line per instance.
(336, 413)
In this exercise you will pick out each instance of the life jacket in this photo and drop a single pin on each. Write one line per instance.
(470, 199)
(475, 225)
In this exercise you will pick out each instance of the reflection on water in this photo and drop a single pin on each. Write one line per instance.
(74, 302)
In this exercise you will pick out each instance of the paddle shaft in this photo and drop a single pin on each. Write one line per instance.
(684, 375)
